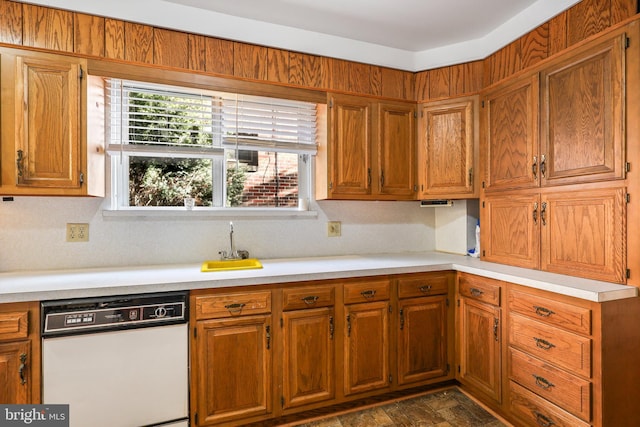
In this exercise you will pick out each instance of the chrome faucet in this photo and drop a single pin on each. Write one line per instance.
(233, 253)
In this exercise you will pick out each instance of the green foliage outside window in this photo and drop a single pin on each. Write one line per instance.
(158, 181)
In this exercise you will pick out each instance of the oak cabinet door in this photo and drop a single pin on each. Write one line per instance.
(350, 153)
(15, 377)
(582, 115)
(309, 373)
(48, 146)
(366, 347)
(233, 365)
(480, 347)
(447, 146)
(511, 230)
(584, 233)
(422, 339)
(396, 150)
(510, 117)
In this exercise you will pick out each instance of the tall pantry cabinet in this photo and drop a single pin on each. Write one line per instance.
(554, 192)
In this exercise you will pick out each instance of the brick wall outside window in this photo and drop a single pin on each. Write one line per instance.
(275, 183)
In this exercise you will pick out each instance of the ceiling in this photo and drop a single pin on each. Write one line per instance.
(407, 34)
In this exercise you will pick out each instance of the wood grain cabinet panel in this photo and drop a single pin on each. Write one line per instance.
(366, 347)
(370, 151)
(535, 411)
(422, 339)
(479, 347)
(47, 28)
(555, 385)
(564, 349)
(170, 48)
(89, 34)
(510, 118)
(582, 118)
(309, 357)
(138, 43)
(396, 150)
(447, 150)
(232, 304)
(233, 358)
(584, 233)
(20, 378)
(10, 22)
(114, 39)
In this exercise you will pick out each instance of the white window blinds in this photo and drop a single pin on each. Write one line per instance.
(147, 118)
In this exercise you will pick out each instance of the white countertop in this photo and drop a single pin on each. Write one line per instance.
(63, 284)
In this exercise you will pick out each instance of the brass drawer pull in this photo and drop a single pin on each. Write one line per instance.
(235, 308)
(310, 300)
(476, 292)
(543, 312)
(534, 168)
(425, 289)
(543, 382)
(369, 293)
(542, 420)
(22, 368)
(543, 344)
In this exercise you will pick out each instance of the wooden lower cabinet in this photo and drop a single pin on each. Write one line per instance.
(366, 347)
(19, 353)
(309, 373)
(479, 335)
(232, 357)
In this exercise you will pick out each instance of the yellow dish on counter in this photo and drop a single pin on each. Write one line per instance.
(230, 264)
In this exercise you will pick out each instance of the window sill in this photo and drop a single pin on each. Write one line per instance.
(208, 214)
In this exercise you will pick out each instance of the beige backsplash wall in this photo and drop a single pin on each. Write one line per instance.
(32, 234)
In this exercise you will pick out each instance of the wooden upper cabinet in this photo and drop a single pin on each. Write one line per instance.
(48, 152)
(584, 233)
(350, 165)
(447, 150)
(582, 115)
(370, 151)
(510, 229)
(510, 118)
(396, 150)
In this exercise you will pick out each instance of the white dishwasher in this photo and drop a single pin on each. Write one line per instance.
(118, 361)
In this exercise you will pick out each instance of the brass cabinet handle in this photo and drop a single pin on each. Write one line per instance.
(348, 325)
(535, 213)
(425, 289)
(20, 162)
(543, 213)
(235, 308)
(534, 168)
(22, 368)
(381, 178)
(401, 319)
(543, 382)
(268, 336)
(543, 166)
(370, 293)
(310, 300)
(543, 344)
(542, 420)
(476, 292)
(496, 322)
(368, 177)
(331, 327)
(542, 311)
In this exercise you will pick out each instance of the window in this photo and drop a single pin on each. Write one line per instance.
(224, 150)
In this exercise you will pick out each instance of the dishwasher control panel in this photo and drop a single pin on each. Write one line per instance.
(109, 313)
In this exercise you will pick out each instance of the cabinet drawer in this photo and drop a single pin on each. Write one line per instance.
(308, 297)
(423, 285)
(374, 290)
(479, 288)
(14, 325)
(231, 305)
(538, 412)
(554, 345)
(565, 390)
(567, 316)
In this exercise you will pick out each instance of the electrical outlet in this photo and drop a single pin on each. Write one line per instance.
(77, 232)
(334, 229)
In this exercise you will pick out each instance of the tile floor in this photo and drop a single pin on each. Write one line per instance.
(443, 408)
